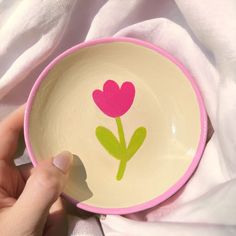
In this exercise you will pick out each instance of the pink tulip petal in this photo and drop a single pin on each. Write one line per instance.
(99, 99)
(111, 89)
(127, 94)
(102, 102)
(114, 101)
(110, 86)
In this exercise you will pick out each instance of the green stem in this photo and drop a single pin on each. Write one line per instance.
(121, 169)
(121, 133)
(123, 160)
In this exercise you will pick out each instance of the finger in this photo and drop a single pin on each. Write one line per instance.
(5, 199)
(10, 129)
(25, 170)
(42, 189)
(11, 180)
(57, 220)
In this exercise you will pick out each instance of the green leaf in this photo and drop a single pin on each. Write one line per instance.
(136, 141)
(109, 142)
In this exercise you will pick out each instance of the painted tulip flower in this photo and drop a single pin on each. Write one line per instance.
(115, 101)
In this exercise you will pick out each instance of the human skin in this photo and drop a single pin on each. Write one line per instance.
(30, 203)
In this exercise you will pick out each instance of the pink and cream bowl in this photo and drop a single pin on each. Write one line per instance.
(130, 113)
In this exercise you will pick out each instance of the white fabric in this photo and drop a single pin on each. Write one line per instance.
(85, 227)
(201, 34)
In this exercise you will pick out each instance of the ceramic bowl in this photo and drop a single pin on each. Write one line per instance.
(130, 113)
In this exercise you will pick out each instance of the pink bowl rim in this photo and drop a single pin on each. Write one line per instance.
(203, 120)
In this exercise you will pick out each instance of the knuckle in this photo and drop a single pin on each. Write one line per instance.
(3, 164)
(48, 180)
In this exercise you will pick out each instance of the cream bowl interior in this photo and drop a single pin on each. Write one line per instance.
(63, 116)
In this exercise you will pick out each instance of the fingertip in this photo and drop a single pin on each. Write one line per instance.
(63, 161)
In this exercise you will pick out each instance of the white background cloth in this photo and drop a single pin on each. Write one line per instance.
(200, 33)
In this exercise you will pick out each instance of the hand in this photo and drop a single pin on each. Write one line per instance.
(29, 198)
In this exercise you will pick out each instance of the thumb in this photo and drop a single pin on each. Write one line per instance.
(41, 190)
